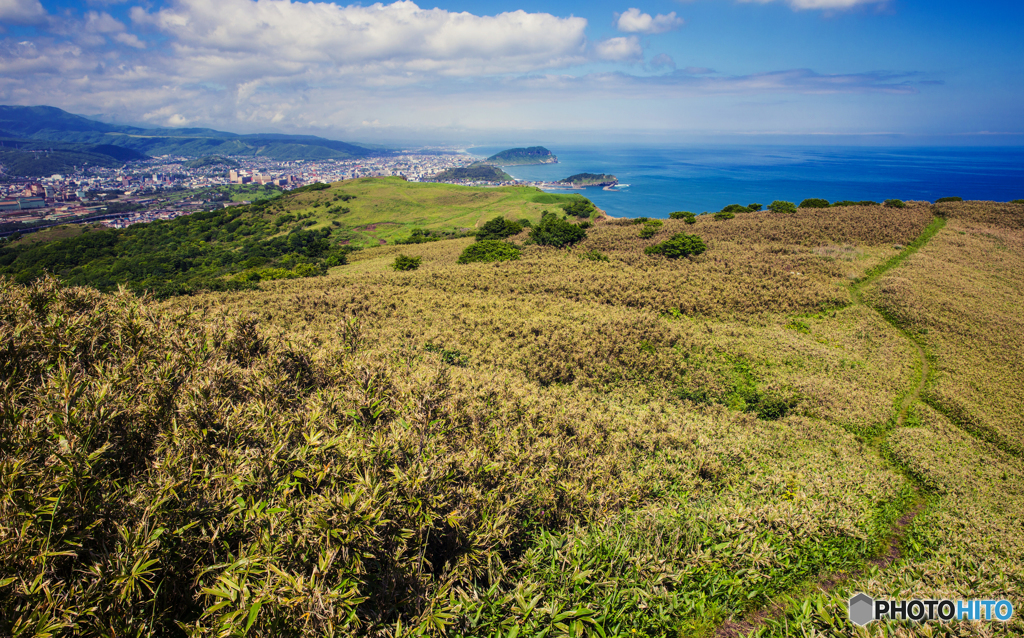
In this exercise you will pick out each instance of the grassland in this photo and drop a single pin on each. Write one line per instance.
(550, 446)
(386, 209)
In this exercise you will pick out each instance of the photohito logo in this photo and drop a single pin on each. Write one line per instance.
(863, 609)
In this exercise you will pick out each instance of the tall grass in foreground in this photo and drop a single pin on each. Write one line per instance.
(163, 473)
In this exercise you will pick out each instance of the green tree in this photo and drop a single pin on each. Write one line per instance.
(677, 246)
(754, 207)
(780, 206)
(650, 228)
(724, 215)
(814, 203)
(498, 228)
(557, 232)
(583, 208)
(895, 203)
(488, 250)
(405, 262)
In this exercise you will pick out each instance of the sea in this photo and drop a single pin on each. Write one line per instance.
(655, 181)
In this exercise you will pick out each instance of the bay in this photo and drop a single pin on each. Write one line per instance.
(662, 179)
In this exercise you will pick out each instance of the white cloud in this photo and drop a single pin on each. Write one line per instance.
(22, 12)
(633, 21)
(262, 35)
(822, 4)
(130, 39)
(619, 49)
(102, 23)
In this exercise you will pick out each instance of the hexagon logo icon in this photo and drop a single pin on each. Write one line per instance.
(861, 609)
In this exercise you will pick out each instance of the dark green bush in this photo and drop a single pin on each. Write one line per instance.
(405, 262)
(498, 228)
(754, 207)
(650, 229)
(582, 208)
(488, 250)
(557, 232)
(679, 245)
(949, 199)
(1017, 201)
(895, 203)
(594, 255)
(814, 202)
(735, 208)
(780, 206)
(636, 221)
(680, 214)
(724, 215)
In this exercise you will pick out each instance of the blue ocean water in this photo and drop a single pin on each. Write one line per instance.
(666, 179)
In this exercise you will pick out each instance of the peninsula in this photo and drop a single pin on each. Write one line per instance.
(590, 179)
(523, 156)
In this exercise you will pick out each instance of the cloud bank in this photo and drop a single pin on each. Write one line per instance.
(822, 4)
(319, 67)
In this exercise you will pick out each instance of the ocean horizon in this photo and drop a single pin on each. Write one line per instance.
(658, 180)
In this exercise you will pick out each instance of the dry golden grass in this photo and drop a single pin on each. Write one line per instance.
(962, 295)
(548, 445)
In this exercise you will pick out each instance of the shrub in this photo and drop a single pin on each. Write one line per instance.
(735, 208)
(679, 245)
(680, 214)
(498, 228)
(405, 262)
(724, 215)
(754, 207)
(582, 208)
(552, 231)
(650, 229)
(488, 250)
(949, 199)
(1017, 201)
(779, 206)
(814, 203)
(895, 203)
(594, 255)
(639, 220)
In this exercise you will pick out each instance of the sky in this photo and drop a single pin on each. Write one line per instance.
(921, 72)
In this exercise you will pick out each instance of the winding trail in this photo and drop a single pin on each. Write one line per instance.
(891, 550)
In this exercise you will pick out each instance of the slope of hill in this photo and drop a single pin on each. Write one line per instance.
(584, 441)
(523, 156)
(301, 233)
(49, 123)
(35, 158)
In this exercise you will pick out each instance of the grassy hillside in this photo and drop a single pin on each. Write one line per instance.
(300, 233)
(560, 445)
(387, 209)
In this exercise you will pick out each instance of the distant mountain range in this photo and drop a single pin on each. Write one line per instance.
(51, 124)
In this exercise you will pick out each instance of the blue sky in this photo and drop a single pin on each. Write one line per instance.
(735, 71)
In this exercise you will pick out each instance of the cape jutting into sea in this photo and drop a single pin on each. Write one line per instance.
(665, 179)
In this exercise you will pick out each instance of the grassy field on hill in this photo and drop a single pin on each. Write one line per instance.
(586, 441)
(386, 209)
